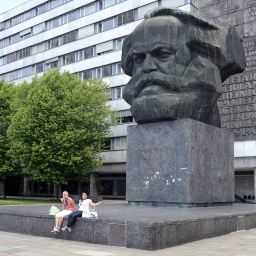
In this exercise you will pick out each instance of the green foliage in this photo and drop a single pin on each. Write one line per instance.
(27, 201)
(59, 126)
(6, 165)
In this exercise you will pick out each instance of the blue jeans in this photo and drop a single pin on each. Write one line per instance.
(72, 217)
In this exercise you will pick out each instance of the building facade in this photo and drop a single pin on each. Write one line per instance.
(237, 104)
(84, 37)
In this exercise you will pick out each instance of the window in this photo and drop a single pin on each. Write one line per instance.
(126, 119)
(105, 71)
(69, 17)
(53, 64)
(126, 17)
(120, 143)
(107, 143)
(107, 3)
(7, 41)
(11, 57)
(119, 69)
(86, 53)
(109, 94)
(37, 68)
(105, 25)
(118, 92)
(56, 3)
(26, 36)
(15, 38)
(119, 43)
(88, 9)
(23, 53)
(53, 43)
(15, 20)
(40, 47)
(54, 23)
(69, 37)
(26, 15)
(68, 59)
(41, 9)
(7, 24)
(1, 61)
(87, 74)
(25, 72)
(12, 75)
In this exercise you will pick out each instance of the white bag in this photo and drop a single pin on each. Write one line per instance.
(54, 210)
(91, 213)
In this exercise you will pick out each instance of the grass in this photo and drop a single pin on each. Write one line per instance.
(16, 201)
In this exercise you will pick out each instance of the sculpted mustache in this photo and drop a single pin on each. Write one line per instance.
(173, 83)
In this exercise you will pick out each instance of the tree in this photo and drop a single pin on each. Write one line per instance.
(59, 126)
(7, 167)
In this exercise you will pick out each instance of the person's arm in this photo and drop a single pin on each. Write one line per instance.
(62, 203)
(94, 204)
(72, 203)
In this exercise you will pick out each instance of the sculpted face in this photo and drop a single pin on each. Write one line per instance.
(170, 79)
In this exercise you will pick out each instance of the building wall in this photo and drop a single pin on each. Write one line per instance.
(237, 104)
(27, 30)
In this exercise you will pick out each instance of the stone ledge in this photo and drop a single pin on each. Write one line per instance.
(150, 235)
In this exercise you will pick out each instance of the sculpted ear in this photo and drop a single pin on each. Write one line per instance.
(236, 62)
(223, 47)
(127, 61)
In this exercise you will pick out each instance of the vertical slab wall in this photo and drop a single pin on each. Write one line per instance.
(182, 162)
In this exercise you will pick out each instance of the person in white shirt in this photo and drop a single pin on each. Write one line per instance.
(84, 205)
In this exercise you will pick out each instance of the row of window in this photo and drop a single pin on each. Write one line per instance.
(47, 45)
(63, 39)
(33, 12)
(49, 6)
(56, 42)
(66, 59)
(100, 72)
(69, 17)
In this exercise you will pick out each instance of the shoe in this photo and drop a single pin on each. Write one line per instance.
(58, 230)
(69, 229)
(54, 230)
(64, 229)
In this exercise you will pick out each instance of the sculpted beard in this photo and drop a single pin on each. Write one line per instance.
(179, 97)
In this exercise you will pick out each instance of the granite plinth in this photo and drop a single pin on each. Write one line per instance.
(182, 162)
(144, 228)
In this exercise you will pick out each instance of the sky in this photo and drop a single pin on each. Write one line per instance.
(6, 5)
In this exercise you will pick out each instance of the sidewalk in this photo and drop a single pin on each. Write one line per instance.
(241, 243)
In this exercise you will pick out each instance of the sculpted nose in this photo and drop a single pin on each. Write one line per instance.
(149, 64)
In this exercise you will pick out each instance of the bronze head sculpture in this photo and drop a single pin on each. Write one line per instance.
(177, 62)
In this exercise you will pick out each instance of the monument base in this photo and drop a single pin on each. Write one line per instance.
(145, 228)
(182, 163)
(177, 205)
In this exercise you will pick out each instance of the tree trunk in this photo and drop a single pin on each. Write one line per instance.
(57, 191)
(2, 188)
(26, 188)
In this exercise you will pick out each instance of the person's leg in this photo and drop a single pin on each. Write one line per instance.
(59, 222)
(59, 218)
(72, 217)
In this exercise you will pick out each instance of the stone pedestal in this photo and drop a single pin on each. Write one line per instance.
(184, 162)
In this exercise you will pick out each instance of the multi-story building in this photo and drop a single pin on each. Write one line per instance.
(237, 104)
(84, 37)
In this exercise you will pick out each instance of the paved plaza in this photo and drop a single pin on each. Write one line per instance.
(241, 243)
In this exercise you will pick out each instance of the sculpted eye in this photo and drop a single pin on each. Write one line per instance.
(140, 58)
(163, 54)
